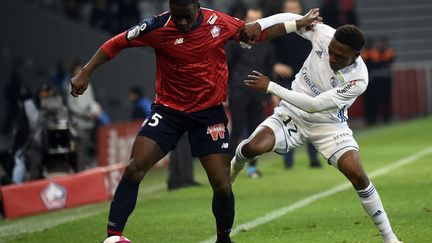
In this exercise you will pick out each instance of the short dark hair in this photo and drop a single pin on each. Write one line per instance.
(351, 36)
(182, 2)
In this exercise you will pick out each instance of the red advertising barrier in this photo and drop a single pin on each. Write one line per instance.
(55, 193)
(40, 196)
(113, 174)
(115, 143)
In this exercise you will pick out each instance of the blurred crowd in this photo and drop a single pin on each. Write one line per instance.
(118, 15)
(53, 132)
(110, 15)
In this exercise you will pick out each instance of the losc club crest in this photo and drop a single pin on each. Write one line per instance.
(54, 196)
(333, 82)
(215, 31)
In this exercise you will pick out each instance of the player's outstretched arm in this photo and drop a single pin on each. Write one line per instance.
(331, 99)
(262, 83)
(79, 83)
(279, 24)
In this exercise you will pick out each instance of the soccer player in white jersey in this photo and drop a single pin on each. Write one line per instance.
(331, 78)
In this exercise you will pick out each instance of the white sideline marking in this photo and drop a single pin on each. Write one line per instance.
(33, 225)
(36, 225)
(307, 200)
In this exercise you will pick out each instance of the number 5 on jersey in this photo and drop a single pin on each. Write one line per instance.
(154, 120)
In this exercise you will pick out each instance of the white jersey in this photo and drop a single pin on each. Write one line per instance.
(316, 109)
(317, 78)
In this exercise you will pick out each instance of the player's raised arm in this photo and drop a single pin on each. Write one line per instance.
(279, 24)
(80, 82)
(139, 35)
(107, 51)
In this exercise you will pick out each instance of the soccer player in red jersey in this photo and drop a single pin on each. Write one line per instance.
(191, 84)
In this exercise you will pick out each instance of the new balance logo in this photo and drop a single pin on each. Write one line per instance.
(378, 213)
(216, 131)
(224, 145)
(178, 41)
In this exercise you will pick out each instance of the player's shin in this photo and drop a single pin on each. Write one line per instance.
(371, 202)
(122, 205)
(239, 161)
(223, 210)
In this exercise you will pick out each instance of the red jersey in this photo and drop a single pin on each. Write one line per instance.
(191, 68)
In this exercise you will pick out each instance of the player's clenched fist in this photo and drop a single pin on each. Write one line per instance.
(79, 84)
(250, 33)
(309, 20)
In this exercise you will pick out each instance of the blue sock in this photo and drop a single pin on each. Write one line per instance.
(122, 205)
(223, 210)
(251, 169)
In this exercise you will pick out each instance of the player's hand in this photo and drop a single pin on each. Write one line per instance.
(309, 20)
(79, 84)
(250, 33)
(257, 81)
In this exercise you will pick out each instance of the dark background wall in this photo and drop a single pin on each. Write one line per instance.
(42, 39)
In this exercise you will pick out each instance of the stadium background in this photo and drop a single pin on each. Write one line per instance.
(43, 35)
(39, 33)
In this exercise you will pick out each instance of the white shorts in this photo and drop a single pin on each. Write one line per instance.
(332, 140)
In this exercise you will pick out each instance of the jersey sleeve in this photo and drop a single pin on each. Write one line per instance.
(233, 26)
(142, 34)
(347, 92)
(319, 29)
(277, 19)
(331, 99)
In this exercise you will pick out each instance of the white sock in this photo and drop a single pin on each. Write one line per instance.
(371, 202)
(240, 158)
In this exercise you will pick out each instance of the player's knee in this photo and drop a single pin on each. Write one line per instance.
(359, 179)
(222, 187)
(133, 175)
(136, 170)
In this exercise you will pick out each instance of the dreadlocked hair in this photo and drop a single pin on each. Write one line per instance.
(182, 2)
(351, 36)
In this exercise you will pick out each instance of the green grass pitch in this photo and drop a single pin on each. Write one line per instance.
(185, 215)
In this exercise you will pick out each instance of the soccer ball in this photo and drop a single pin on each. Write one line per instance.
(117, 239)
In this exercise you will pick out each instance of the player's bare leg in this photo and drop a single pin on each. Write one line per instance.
(349, 164)
(145, 153)
(261, 141)
(217, 169)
